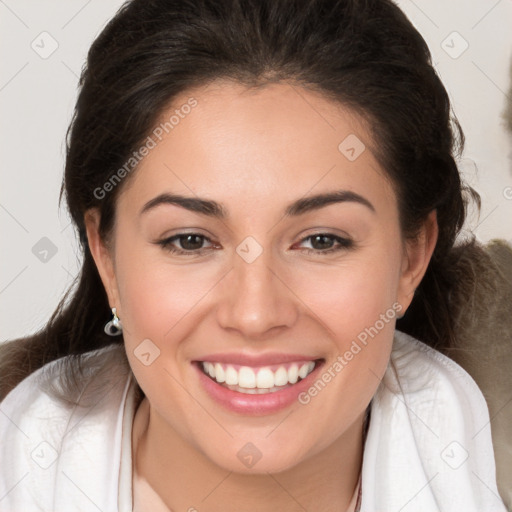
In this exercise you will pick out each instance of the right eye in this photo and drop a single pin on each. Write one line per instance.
(191, 243)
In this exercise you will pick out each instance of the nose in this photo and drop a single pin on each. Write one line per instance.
(257, 300)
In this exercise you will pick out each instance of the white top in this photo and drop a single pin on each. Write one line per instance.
(428, 447)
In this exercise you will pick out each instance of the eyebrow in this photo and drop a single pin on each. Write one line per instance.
(214, 209)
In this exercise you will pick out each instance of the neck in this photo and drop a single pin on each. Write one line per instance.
(186, 479)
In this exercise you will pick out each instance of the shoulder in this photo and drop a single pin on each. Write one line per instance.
(429, 430)
(46, 426)
(438, 394)
(420, 367)
(55, 387)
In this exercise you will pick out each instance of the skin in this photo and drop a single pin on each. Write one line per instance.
(256, 151)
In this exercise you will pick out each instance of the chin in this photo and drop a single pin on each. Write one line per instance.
(257, 458)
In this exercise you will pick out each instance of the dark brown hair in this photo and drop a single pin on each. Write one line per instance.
(363, 53)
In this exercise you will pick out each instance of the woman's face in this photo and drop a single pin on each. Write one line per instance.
(255, 293)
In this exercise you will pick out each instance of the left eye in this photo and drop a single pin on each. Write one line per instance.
(320, 240)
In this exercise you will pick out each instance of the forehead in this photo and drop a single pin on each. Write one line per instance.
(266, 145)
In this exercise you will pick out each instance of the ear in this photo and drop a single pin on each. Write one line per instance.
(417, 254)
(102, 256)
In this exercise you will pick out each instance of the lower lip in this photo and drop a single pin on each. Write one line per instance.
(256, 405)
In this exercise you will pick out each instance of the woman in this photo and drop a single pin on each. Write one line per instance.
(307, 148)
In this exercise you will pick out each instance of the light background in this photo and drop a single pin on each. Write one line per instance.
(37, 96)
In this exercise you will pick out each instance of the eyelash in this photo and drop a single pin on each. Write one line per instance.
(344, 244)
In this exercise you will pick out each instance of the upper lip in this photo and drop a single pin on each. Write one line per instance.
(256, 359)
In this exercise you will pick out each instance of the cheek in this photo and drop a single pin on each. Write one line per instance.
(356, 302)
(160, 304)
(352, 295)
(156, 295)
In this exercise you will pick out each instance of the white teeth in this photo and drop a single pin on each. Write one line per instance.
(281, 377)
(306, 369)
(246, 377)
(265, 379)
(220, 375)
(231, 376)
(256, 379)
(293, 374)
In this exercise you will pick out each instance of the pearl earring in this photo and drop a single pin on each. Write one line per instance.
(114, 327)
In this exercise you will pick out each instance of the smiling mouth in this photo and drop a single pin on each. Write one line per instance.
(260, 380)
